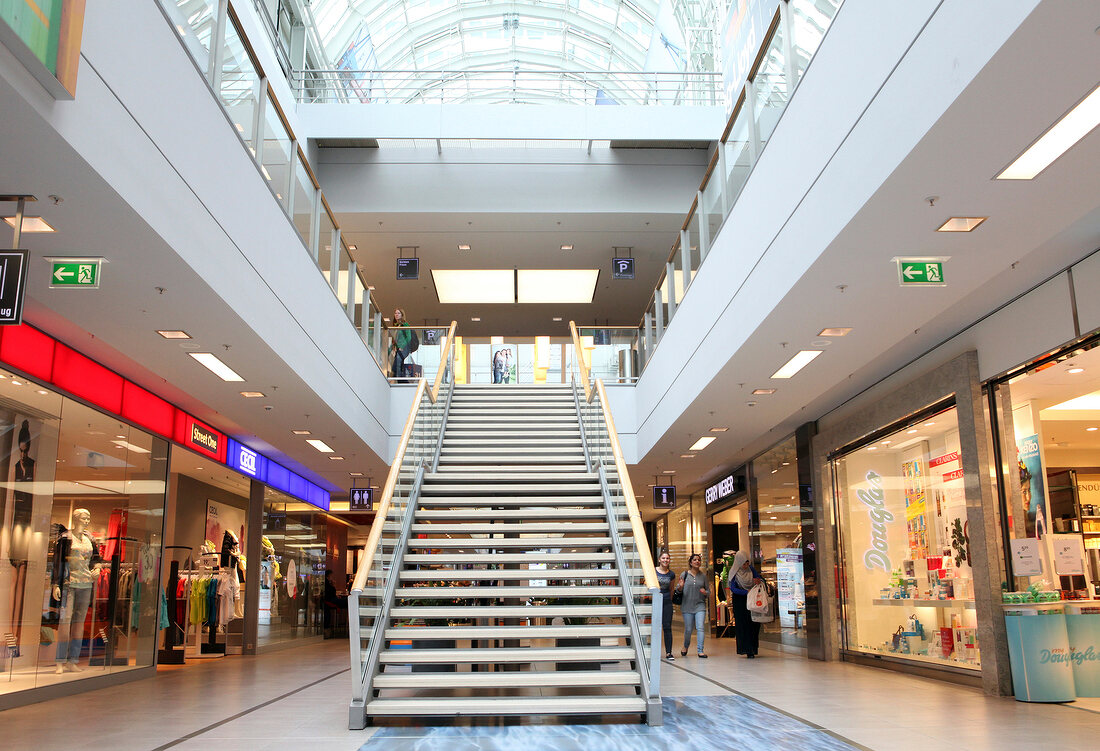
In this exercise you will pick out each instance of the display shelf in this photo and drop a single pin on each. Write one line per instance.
(1090, 517)
(1038, 605)
(922, 658)
(919, 603)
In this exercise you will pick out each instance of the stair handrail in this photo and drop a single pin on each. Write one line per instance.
(588, 392)
(447, 406)
(649, 571)
(444, 361)
(580, 420)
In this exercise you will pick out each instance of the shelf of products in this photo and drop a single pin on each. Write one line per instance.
(922, 603)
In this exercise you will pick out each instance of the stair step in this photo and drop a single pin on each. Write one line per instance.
(468, 487)
(507, 632)
(497, 705)
(513, 476)
(509, 611)
(473, 528)
(508, 679)
(456, 443)
(442, 592)
(539, 557)
(498, 465)
(499, 656)
(482, 574)
(572, 501)
(484, 543)
(513, 513)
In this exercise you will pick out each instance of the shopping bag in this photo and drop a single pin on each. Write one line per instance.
(758, 599)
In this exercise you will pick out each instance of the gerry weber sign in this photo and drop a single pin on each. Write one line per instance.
(724, 488)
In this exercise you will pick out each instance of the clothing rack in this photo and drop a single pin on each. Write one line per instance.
(211, 648)
(111, 642)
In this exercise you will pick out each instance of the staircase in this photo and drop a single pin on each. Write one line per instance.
(507, 598)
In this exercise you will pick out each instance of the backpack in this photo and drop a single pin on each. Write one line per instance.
(414, 342)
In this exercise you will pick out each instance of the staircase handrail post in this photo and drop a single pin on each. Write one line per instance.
(370, 668)
(644, 667)
(581, 367)
(444, 361)
(446, 407)
(648, 569)
(580, 421)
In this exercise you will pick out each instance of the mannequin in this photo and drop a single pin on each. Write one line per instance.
(76, 566)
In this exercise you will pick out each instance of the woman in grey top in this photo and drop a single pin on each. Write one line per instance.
(696, 587)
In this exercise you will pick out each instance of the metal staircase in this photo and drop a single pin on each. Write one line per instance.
(503, 577)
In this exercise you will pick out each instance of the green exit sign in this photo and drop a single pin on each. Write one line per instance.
(75, 273)
(920, 272)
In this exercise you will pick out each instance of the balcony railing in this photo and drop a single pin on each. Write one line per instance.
(211, 33)
(794, 36)
(481, 86)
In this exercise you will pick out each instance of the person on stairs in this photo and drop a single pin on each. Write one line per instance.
(399, 346)
(696, 589)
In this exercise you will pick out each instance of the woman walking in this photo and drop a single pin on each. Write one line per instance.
(743, 577)
(399, 346)
(696, 589)
(665, 577)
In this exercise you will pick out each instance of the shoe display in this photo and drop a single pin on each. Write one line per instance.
(60, 668)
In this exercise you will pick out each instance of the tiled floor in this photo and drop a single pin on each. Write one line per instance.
(297, 699)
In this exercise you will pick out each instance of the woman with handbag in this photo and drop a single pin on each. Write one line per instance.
(743, 577)
(694, 587)
(665, 577)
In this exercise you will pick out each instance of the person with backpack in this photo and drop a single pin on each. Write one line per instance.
(403, 342)
(742, 578)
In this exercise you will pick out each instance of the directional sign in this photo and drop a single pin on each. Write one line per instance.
(622, 268)
(361, 499)
(920, 272)
(13, 285)
(664, 496)
(75, 273)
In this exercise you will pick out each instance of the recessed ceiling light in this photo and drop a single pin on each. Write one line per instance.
(702, 443)
(463, 246)
(216, 366)
(929, 424)
(355, 474)
(961, 224)
(16, 383)
(668, 472)
(762, 392)
(476, 319)
(872, 448)
(174, 334)
(43, 392)
(556, 285)
(567, 246)
(301, 432)
(886, 443)
(1092, 430)
(773, 517)
(557, 319)
(320, 445)
(475, 285)
(718, 430)
(336, 458)
(1075, 371)
(911, 432)
(836, 331)
(786, 464)
(31, 224)
(252, 394)
(353, 247)
(1070, 129)
(796, 363)
(687, 456)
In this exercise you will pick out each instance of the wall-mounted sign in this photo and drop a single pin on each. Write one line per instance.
(361, 499)
(13, 286)
(45, 38)
(622, 268)
(664, 496)
(75, 272)
(408, 268)
(245, 460)
(920, 272)
(728, 486)
(878, 555)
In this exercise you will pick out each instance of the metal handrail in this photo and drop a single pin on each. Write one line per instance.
(580, 362)
(446, 409)
(444, 362)
(580, 420)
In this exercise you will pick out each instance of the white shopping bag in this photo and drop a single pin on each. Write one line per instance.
(761, 604)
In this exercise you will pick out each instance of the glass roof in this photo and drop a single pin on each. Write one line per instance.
(417, 35)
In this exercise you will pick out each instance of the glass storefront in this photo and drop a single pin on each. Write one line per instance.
(292, 570)
(777, 541)
(81, 511)
(905, 576)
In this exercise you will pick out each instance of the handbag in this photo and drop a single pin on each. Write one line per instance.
(677, 594)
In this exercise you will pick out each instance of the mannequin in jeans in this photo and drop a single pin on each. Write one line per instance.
(76, 566)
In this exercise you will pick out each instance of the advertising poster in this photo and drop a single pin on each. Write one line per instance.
(45, 36)
(504, 363)
(221, 517)
(1031, 484)
(791, 585)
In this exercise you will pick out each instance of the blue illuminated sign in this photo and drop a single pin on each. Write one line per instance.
(256, 465)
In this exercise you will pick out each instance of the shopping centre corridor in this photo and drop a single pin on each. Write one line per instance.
(296, 699)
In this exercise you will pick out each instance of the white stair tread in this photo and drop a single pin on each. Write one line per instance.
(508, 611)
(513, 475)
(513, 513)
(572, 501)
(506, 655)
(477, 528)
(506, 632)
(511, 591)
(484, 543)
(508, 679)
(536, 557)
(449, 574)
(512, 490)
(448, 707)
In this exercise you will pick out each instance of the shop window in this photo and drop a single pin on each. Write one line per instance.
(906, 580)
(292, 570)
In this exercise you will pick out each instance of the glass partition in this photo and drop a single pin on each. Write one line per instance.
(194, 21)
(276, 156)
(239, 87)
(305, 198)
(770, 88)
(292, 570)
(809, 20)
(609, 353)
(740, 156)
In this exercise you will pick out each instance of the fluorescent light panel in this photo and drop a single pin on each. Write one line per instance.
(762, 392)
(174, 334)
(1062, 136)
(463, 246)
(962, 224)
(130, 447)
(252, 394)
(301, 432)
(320, 445)
(797, 363)
(557, 285)
(718, 430)
(216, 366)
(31, 224)
(567, 246)
(702, 443)
(836, 331)
(475, 285)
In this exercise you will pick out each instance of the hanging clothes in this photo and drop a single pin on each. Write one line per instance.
(163, 621)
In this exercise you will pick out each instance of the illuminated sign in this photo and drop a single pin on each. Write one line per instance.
(408, 268)
(724, 488)
(664, 496)
(204, 438)
(245, 460)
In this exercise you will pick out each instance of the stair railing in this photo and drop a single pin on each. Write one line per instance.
(446, 366)
(641, 590)
(372, 590)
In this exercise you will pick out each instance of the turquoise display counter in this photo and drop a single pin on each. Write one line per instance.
(1083, 630)
(1038, 649)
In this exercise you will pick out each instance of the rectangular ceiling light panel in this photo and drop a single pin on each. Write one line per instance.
(797, 363)
(1062, 136)
(702, 443)
(216, 366)
(475, 285)
(557, 285)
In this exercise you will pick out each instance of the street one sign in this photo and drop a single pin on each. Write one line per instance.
(920, 272)
(75, 273)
